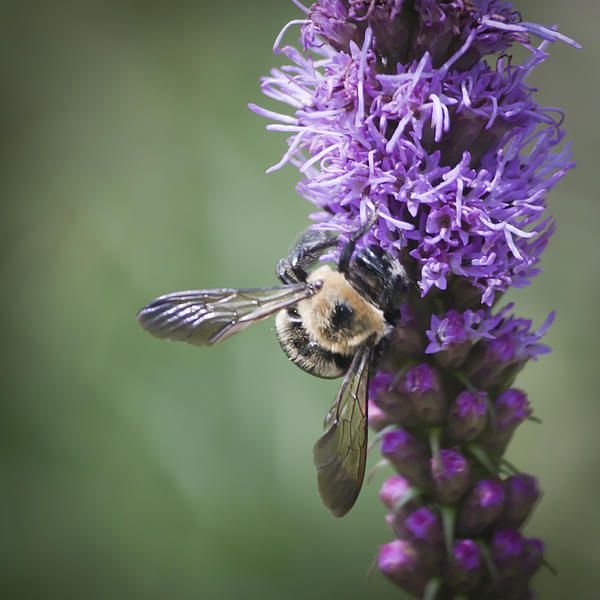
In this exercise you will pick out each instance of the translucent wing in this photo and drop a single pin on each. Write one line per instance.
(341, 454)
(205, 317)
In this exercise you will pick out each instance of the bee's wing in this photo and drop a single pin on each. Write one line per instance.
(341, 454)
(205, 317)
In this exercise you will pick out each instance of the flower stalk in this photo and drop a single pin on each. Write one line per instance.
(416, 111)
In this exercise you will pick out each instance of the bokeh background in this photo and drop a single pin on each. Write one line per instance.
(135, 469)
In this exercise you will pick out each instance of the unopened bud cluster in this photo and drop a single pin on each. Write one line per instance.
(455, 507)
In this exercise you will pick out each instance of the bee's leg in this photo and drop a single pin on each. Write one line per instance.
(348, 251)
(303, 255)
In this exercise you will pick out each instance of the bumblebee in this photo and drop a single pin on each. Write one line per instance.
(330, 322)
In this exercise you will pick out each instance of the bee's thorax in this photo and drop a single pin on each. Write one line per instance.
(337, 317)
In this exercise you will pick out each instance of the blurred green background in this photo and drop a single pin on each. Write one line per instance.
(134, 469)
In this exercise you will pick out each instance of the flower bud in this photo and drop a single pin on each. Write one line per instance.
(424, 525)
(533, 556)
(450, 476)
(422, 386)
(386, 395)
(467, 417)
(330, 21)
(391, 28)
(406, 340)
(465, 567)
(522, 492)
(511, 408)
(394, 490)
(481, 508)
(436, 31)
(394, 493)
(400, 561)
(425, 530)
(507, 550)
(496, 365)
(448, 338)
(408, 455)
(378, 420)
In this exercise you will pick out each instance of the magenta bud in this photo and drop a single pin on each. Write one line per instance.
(497, 365)
(421, 384)
(511, 408)
(395, 521)
(408, 455)
(522, 492)
(533, 556)
(378, 420)
(393, 490)
(424, 529)
(448, 337)
(390, 400)
(424, 525)
(481, 508)
(467, 417)
(450, 476)
(507, 550)
(400, 561)
(465, 567)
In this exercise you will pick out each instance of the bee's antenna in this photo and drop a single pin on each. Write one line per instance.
(348, 251)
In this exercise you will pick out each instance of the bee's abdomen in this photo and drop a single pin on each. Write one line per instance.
(306, 353)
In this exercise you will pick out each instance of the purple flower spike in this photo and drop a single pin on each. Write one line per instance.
(465, 569)
(421, 384)
(522, 492)
(481, 508)
(416, 117)
(467, 417)
(408, 454)
(450, 476)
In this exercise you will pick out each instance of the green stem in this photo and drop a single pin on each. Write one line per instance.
(376, 468)
(550, 567)
(410, 495)
(487, 559)
(481, 455)
(434, 443)
(464, 380)
(448, 521)
(432, 589)
(514, 470)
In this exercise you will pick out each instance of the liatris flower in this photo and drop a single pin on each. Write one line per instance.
(413, 115)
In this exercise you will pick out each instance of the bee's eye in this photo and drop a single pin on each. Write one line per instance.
(293, 313)
(341, 316)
